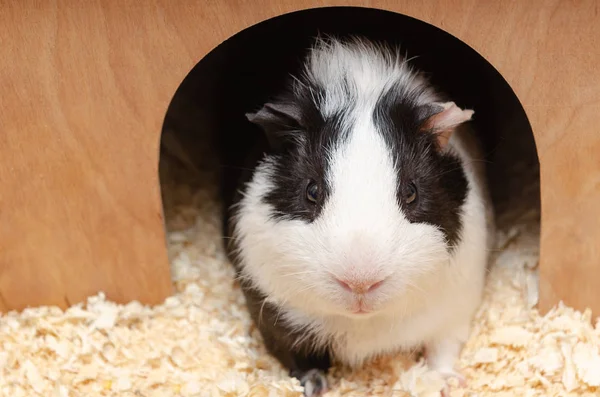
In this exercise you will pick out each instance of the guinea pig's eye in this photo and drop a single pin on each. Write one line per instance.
(312, 192)
(411, 193)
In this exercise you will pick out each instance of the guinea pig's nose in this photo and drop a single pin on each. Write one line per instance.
(360, 285)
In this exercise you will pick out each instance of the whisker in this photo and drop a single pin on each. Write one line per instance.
(230, 238)
(300, 273)
(260, 313)
(307, 287)
(279, 310)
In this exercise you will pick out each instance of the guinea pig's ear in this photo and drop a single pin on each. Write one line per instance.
(279, 121)
(442, 118)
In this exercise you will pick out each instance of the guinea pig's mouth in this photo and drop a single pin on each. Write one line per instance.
(361, 309)
(360, 314)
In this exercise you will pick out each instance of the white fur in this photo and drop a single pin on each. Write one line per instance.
(371, 71)
(428, 295)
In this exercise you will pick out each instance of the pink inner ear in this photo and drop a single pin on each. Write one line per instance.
(444, 122)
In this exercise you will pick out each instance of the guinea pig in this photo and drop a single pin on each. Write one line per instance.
(363, 225)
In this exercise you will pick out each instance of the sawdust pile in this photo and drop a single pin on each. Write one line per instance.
(201, 342)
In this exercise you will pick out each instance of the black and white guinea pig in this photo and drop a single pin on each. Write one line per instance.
(364, 225)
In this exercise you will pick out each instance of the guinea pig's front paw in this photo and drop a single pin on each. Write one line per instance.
(314, 382)
(452, 374)
(441, 358)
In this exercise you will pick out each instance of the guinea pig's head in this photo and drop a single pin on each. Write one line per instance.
(358, 202)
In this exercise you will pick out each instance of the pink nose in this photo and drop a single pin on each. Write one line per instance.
(360, 286)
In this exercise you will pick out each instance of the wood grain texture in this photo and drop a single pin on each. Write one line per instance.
(85, 87)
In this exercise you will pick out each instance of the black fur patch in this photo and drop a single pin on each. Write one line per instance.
(293, 347)
(438, 177)
(304, 159)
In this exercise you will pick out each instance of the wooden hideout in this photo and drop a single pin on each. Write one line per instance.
(84, 88)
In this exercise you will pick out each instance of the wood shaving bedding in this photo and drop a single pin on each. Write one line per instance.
(201, 341)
